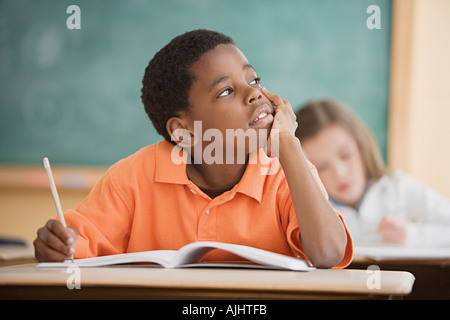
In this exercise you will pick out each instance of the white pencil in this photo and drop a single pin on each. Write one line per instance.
(51, 181)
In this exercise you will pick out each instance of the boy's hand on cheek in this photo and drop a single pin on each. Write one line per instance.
(284, 122)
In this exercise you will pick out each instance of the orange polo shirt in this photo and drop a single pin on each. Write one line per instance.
(146, 202)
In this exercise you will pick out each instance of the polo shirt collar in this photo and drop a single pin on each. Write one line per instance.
(251, 183)
(168, 171)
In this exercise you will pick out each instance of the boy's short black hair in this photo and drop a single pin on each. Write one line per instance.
(167, 79)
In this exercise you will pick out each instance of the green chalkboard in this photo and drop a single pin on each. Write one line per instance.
(74, 94)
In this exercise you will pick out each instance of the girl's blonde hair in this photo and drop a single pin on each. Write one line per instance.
(318, 114)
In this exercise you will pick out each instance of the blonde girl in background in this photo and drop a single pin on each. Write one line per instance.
(379, 207)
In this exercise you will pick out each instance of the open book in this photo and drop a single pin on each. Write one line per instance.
(189, 255)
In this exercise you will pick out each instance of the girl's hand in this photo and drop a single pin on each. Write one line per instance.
(392, 230)
(284, 123)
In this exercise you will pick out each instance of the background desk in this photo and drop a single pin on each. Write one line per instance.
(432, 276)
(134, 282)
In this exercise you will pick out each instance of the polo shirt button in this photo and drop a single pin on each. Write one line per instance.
(207, 211)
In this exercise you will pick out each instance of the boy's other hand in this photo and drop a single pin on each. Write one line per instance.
(54, 243)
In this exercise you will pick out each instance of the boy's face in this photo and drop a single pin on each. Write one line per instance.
(226, 94)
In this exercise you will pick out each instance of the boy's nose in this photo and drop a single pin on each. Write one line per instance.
(253, 95)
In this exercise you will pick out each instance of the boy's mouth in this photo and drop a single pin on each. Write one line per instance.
(262, 115)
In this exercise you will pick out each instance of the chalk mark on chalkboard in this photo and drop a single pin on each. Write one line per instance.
(45, 113)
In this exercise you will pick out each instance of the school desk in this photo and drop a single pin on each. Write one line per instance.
(432, 275)
(149, 282)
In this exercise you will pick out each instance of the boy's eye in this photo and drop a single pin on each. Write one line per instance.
(228, 91)
(225, 93)
(257, 80)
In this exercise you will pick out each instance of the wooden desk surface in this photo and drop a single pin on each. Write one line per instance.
(139, 282)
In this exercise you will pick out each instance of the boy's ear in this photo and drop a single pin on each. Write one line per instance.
(178, 133)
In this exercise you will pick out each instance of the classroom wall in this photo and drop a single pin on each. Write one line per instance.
(23, 210)
(26, 202)
(419, 130)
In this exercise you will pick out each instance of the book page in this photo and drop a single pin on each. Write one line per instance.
(161, 257)
(193, 252)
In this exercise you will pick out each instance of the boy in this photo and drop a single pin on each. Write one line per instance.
(195, 90)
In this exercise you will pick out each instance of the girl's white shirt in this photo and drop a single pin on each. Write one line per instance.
(425, 212)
